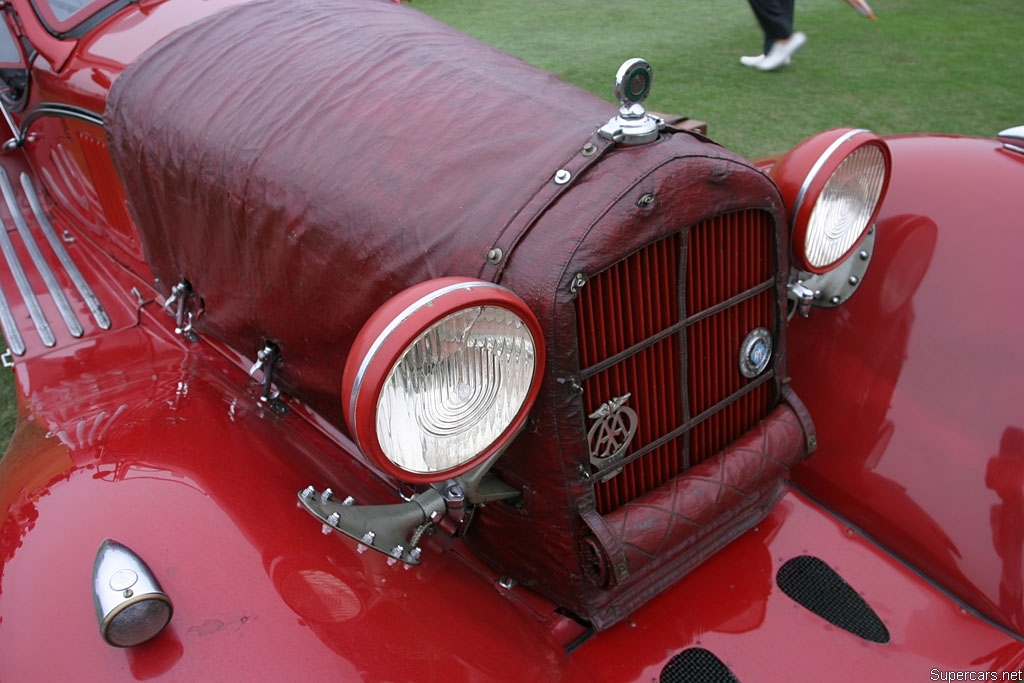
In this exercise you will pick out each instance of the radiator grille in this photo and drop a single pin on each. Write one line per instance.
(665, 326)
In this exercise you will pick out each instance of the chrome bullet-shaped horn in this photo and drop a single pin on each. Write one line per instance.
(130, 605)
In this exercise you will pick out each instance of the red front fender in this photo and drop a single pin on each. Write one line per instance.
(914, 384)
(171, 455)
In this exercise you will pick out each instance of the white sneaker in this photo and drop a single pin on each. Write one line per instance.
(780, 53)
(747, 60)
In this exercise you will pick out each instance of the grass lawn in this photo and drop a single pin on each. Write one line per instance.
(939, 66)
(8, 405)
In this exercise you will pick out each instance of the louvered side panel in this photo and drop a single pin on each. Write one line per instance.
(107, 184)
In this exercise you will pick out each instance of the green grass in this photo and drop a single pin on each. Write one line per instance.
(940, 66)
(8, 406)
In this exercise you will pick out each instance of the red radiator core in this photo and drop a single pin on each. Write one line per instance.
(665, 326)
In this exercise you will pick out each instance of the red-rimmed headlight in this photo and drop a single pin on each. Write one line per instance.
(833, 184)
(442, 377)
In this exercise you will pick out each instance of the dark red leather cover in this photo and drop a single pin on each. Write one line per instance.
(665, 533)
(301, 162)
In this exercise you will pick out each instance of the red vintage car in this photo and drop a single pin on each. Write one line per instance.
(356, 349)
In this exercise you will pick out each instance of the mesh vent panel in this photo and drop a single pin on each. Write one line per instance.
(696, 665)
(816, 586)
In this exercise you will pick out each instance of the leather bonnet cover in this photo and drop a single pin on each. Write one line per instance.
(302, 162)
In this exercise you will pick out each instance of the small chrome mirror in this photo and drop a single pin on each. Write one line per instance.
(130, 605)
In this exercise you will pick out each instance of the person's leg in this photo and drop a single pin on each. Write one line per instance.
(775, 18)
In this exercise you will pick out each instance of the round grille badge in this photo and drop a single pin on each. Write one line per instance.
(755, 352)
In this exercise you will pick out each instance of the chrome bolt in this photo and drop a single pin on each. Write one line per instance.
(349, 500)
(368, 537)
(414, 554)
(325, 497)
(333, 519)
(308, 493)
(578, 280)
(397, 551)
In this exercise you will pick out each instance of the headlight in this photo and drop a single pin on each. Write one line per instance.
(442, 377)
(833, 184)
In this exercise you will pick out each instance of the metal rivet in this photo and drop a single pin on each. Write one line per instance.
(578, 280)
(854, 279)
(645, 200)
(562, 176)
(494, 255)
(863, 255)
(589, 149)
(835, 300)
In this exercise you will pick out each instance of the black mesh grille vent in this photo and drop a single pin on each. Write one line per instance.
(816, 586)
(696, 665)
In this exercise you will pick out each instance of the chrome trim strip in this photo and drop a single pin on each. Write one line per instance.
(817, 167)
(102, 319)
(36, 313)
(19, 137)
(56, 109)
(398, 320)
(11, 331)
(59, 298)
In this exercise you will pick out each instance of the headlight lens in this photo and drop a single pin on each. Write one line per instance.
(845, 206)
(442, 377)
(455, 389)
(833, 185)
